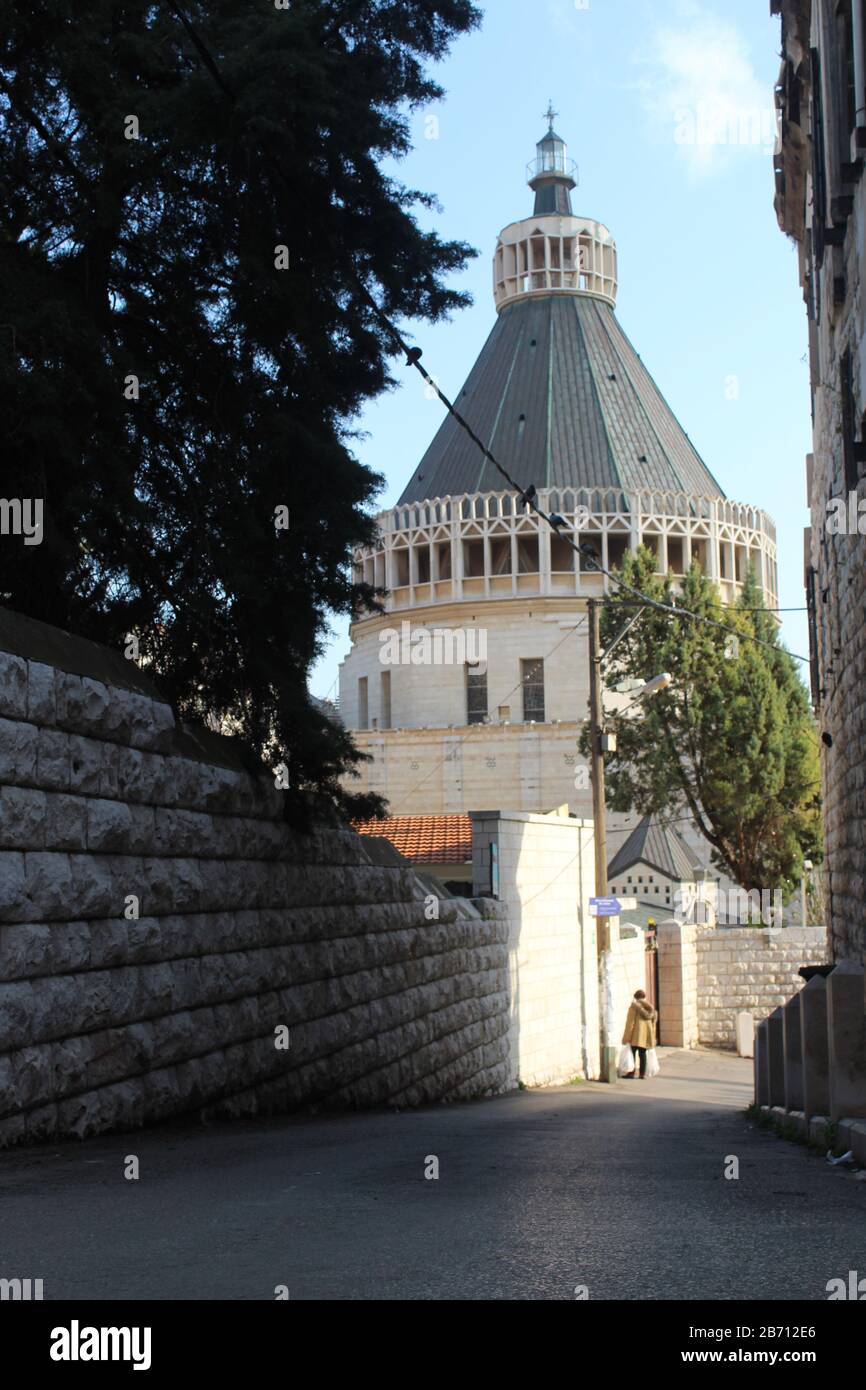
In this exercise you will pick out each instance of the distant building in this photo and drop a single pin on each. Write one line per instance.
(821, 203)
(655, 865)
(441, 846)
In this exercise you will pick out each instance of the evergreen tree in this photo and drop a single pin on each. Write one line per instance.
(184, 342)
(731, 742)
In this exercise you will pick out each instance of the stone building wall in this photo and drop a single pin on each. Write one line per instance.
(832, 277)
(158, 923)
(748, 969)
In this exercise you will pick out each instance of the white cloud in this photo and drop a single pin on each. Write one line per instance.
(700, 90)
(569, 17)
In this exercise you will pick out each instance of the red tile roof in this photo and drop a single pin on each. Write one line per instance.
(425, 839)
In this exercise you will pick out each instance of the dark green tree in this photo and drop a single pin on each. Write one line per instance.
(731, 742)
(169, 375)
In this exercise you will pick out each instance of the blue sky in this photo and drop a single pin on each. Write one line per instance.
(667, 107)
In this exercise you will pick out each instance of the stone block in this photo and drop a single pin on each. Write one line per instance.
(813, 1025)
(50, 890)
(109, 826)
(776, 1044)
(52, 760)
(95, 698)
(793, 1055)
(65, 822)
(745, 1034)
(93, 890)
(13, 886)
(41, 699)
(18, 743)
(818, 1127)
(13, 686)
(69, 699)
(846, 1031)
(109, 780)
(857, 1139)
(22, 818)
(85, 764)
(762, 1063)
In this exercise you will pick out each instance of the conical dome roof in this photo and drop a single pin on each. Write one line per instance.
(562, 399)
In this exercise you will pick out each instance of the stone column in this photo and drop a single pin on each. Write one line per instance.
(776, 1039)
(678, 969)
(846, 1031)
(762, 1063)
(793, 1054)
(813, 1027)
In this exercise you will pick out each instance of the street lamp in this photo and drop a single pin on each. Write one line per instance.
(598, 748)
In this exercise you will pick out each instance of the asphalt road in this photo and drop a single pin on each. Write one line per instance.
(620, 1190)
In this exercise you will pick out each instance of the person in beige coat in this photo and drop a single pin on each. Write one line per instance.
(640, 1030)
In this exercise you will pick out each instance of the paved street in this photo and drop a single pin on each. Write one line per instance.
(621, 1190)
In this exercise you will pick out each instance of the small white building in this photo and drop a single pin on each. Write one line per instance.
(657, 866)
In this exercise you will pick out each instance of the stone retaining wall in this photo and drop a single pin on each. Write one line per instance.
(158, 923)
(752, 969)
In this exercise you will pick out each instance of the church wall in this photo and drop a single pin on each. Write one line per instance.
(835, 295)
(434, 695)
(442, 771)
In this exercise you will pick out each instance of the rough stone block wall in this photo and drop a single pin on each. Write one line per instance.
(158, 923)
(834, 294)
(749, 969)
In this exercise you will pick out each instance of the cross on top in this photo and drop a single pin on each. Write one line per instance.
(550, 115)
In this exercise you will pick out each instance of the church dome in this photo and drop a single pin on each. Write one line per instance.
(558, 393)
(470, 688)
(562, 399)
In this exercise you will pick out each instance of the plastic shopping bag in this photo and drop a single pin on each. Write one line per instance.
(626, 1061)
(652, 1062)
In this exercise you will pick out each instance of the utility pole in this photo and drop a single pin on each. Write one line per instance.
(596, 730)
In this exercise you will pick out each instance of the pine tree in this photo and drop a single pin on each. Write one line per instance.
(731, 742)
(187, 216)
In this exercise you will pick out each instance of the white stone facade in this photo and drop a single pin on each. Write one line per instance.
(521, 615)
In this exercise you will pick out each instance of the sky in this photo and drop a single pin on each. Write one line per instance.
(667, 107)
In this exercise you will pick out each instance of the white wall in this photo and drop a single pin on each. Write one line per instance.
(546, 878)
(753, 969)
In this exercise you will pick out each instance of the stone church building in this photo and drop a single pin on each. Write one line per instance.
(470, 691)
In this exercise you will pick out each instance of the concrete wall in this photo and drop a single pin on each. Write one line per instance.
(678, 984)
(546, 876)
(438, 771)
(158, 922)
(749, 969)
